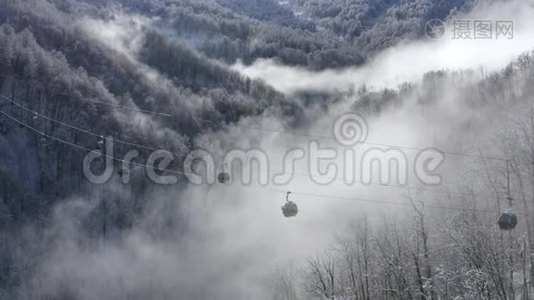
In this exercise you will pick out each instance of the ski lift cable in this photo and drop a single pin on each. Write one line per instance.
(285, 132)
(452, 153)
(508, 219)
(396, 186)
(294, 133)
(381, 202)
(118, 106)
(84, 148)
(75, 127)
(337, 178)
(284, 192)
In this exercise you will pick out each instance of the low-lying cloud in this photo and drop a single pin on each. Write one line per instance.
(408, 62)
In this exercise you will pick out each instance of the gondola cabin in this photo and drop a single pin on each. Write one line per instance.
(290, 209)
(223, 177)
(507, 220)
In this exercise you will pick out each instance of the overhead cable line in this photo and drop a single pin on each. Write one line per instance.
(76, 146)
(311, 176)
(35, 113)
(118, 106)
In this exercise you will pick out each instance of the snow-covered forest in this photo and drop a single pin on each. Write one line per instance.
(143, 77)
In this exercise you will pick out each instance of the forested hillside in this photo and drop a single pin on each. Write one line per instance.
(316, 34)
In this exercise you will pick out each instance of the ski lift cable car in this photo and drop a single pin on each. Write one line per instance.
(290, 209)
(224, 176)
(508, 218)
